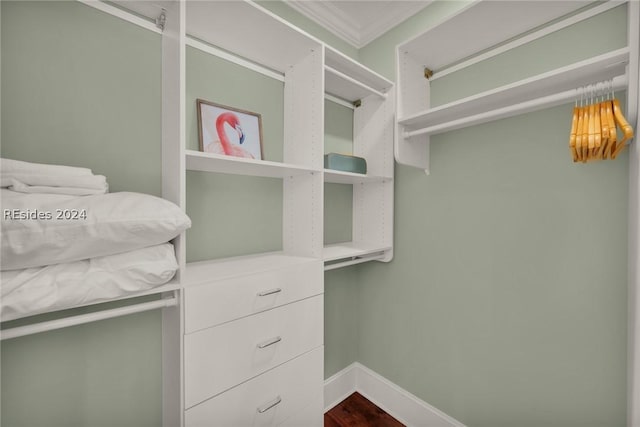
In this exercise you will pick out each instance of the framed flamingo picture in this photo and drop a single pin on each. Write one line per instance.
(230, 131)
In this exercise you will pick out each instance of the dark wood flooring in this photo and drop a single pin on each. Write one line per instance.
(357, 411)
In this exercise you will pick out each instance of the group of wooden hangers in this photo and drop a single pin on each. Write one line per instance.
(597, 115)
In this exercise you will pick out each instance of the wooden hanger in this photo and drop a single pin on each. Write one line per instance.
(611, 126)
(613, 134)
(597, 129)
(604, 130)
(572, 135)
(592, 128)
(626, 128)
(604, 125)
(585, 134)
(594, 125)
(580, 125)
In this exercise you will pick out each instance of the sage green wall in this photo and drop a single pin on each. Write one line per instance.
(61, 107)
(341, 301)
(338, 128)
(338, 198)
(505, 304)
(82, 88)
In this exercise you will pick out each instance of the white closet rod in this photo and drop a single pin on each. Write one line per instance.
(234, 59)
(356, 260)
(597, 10)
(122, 14)
(339, 101)
(560, 98)
(51, 325)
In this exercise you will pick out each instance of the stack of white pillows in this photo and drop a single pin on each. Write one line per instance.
(67, 242)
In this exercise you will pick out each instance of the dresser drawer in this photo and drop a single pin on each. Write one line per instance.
(220, 301)
(310, 416)
(221, 357)
(271, 399)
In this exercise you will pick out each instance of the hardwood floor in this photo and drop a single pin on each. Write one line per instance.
(357, 411)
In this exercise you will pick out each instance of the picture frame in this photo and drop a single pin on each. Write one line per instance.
(229, 131)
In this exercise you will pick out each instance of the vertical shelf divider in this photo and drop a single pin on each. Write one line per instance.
(173, 189)
(303, 136)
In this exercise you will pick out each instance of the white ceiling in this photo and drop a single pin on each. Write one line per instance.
(358, 22)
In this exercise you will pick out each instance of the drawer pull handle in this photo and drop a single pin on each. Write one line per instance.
(269, 292)
(270, 405)
(270, 342)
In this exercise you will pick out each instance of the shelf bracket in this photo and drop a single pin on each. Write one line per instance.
(161, 20)
(412, 151)
(428, 73)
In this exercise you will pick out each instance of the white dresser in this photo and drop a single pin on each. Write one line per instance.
(253, 342)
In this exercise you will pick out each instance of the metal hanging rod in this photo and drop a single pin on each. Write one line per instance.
(579, 17)
(161, 20)
(80, 319)
(123, 14)
(353, 261)
(560, 98)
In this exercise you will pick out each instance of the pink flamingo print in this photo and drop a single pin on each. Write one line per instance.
(224, 145)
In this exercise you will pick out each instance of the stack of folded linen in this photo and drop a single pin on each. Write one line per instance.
(66, 242)
(25, 177)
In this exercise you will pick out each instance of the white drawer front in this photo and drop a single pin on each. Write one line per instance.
(221, 301)
(310, 416)
(219, 358)
(273, 398)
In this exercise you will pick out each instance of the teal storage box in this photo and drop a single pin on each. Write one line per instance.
(345, 163)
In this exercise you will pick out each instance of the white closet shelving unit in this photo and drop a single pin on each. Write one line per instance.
(248, 317)
(246, 340)
(492, 28)
(372, 222)
(320, 70)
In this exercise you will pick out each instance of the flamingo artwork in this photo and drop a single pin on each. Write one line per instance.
(224, 145)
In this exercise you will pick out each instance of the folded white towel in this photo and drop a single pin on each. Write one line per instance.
(27, 177)
(17, 166)
(40, 189)
(79, 185)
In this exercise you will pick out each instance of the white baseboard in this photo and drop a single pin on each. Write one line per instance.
(339, 386)
(397, 402)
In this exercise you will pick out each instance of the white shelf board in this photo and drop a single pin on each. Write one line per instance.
(249, 31)
(344, 250)
(200, 272)
(480, 26)
(345, 87)
(341, 177)
(342, 63)
(585, 72)
(219, 163)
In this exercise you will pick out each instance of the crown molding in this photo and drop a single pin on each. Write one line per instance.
(331, 18)
(334, 19)
(386, 22)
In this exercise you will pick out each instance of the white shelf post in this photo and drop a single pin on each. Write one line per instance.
(303, 139)
(173, 188)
